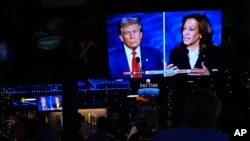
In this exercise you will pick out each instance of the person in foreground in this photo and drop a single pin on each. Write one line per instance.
(202, 109)
(197, 52)
(140, 131)
(78, 119)
(29, 129)
(101, 134)
(121, 58)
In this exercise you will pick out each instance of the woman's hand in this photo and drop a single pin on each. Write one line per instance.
(200, 71)
(170, 67)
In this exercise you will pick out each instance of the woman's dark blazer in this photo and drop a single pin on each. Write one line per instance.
(211, 56)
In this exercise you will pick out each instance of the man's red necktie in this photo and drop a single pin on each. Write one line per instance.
(135, 66)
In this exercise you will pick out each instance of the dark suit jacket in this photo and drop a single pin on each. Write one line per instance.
(151, 59)
(210, 56)
(54, 105)
(40, 106)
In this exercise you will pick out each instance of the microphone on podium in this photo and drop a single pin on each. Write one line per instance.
(137, 59)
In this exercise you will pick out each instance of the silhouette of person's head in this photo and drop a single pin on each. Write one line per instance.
(141, 122)
(79, 119)
(202, 109)
(115, 117)
(25, 128)
(102, 123)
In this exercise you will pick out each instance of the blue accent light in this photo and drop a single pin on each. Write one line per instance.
(103, 85)
(148, 91)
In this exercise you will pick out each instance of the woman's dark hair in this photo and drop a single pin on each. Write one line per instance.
(204, 26)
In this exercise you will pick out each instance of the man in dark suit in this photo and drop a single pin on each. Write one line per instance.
(44, 105)
(120, 59)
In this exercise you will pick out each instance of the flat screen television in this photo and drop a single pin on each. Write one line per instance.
(155, 38)
(49, 103)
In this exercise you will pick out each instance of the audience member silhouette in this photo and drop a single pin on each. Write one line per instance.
(79, 119)
(101, 134)
(77, 123)
(117, 127)
(201, 111)
(140, 131)
(27, 129)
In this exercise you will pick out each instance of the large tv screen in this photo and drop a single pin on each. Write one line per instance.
(161, 44)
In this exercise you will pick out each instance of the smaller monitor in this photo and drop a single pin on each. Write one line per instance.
(49, 103)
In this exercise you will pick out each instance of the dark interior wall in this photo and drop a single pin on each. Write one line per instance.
(15, 11)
